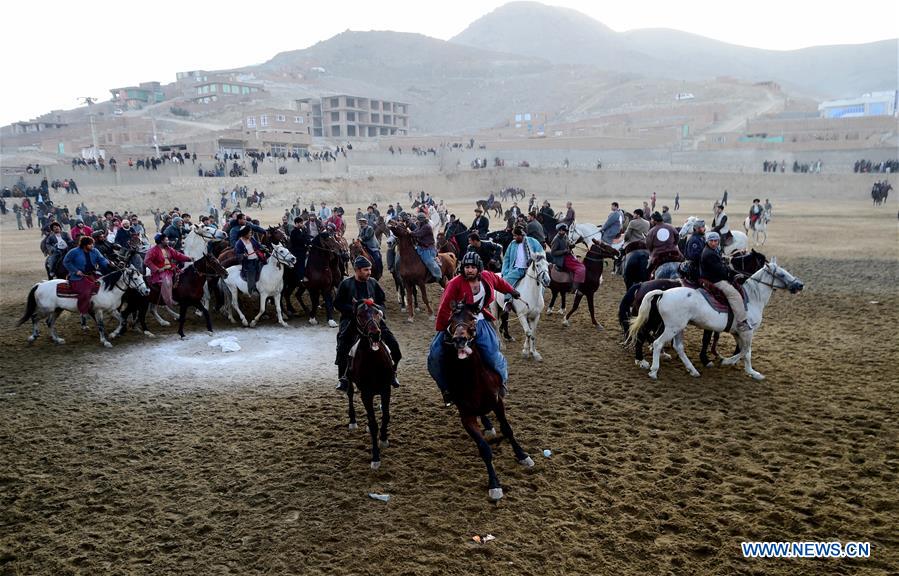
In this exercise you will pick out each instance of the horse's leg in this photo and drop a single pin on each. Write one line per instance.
(155, 309)
(409, 312)
(263, 300)
(574, 307)
(277, 299)
(182, 316)
(172, 312)
(639, 341)
(427, 301)
(236, 306)
(368, 401)
(657, 346)
(207, 317)
(101, 328)
(470, 423)
(679, 347)
(747, 360)
(592, 309)
(385, 416)
(534, 352)
(489, 430)
(552, 300)
(122, 320)
(313, 300)
(329, 308)
(35, 331)
(562, 307)
(703, 354)
(739, 353)
(54, 316)
(506, 429)
(142, 306)
(504, 325)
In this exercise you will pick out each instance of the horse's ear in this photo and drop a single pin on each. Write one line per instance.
(774, 260)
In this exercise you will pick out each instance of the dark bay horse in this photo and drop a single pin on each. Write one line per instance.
(748, 264)
(323, 274)
(188, 289)
(594, 263)
(371, 370)
(497, 207)
(412, 270)
(357, 249)
(476, 390)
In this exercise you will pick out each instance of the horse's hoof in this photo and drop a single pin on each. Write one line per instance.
(107, 343)
(495, 493)
(282, 323)
(409, 320)
(642, 364)
(198, 313)
(31, 339)
(757, 376)
(527, 462)
(709, 364)
(353, 426)
(253, 324)
(384, 444)
(562, 311)
(166, 323)
(60, 341)
(149, 334)
(431, 317)
(695, 373)
(599, 327)
(332, 323)
(524, 354)
(375, 464)
(490, 434)
(538, 357)
(566, 323)
(313, 321)
(245, 323)
(666, 356)
(653, 375)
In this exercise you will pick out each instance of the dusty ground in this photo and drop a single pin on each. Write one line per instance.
(165, 457)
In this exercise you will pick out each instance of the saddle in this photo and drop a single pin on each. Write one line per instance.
(559, 275)
(716, 297)
(64, 290)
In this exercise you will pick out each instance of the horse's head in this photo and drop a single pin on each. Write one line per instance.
(462, 328)
(368, 322)
(283, 255)
(208, 233)
(780, 278)
(541, 268)
(134, 279)
(275, 235)
(211, 266)
(604, 250)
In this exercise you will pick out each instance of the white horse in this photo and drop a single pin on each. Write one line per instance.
(738, 245)
(43, 302)
(679, 307)
(584, 233)
(269, 285)
(529, 307)
(760, 232)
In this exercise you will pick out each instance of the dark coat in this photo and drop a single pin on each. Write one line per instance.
(712, 267)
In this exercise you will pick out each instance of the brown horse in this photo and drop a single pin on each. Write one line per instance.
(371, 370)
(413, 271)
(357, 249)
(476, 390)
(323, 274)
(497, 207)
(594, 263)
(444, 246)
(188, 289)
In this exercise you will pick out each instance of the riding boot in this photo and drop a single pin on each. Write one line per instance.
(343, 382)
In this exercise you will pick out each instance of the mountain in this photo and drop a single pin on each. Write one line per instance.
(566, 36)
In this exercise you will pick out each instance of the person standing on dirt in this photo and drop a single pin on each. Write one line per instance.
(677, 201)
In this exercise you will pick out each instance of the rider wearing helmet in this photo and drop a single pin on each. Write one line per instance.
(473, 286)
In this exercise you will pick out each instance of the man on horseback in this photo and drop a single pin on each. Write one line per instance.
(693, 251)
(82, 264)
(662, 244)
(162, 260)
(638, 228)
(755, 212)
(719, 224)
(360, 286)
(367, 237)
(518, 256)
(535, 229)
(491, 253)
(713, 269)
(474, 286)
(55, 245)
(454, 232)
(561, 256)
(423, 236)
(248, 251)
(481, 223)
(612, 226)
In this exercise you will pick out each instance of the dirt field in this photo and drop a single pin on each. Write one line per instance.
(163, 457)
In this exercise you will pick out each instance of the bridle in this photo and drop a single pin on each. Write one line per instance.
(774, 275)
(369, 321)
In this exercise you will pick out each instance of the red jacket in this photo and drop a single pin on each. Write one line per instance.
(458, 290)
(154, 260)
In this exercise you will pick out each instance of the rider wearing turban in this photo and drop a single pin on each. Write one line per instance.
(360, 286)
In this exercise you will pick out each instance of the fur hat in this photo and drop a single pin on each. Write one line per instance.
(361, 262)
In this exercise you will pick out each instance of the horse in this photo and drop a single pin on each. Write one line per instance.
(476, 391)
(357, 249)
(381, 229)
(738, 244)
(323, 274)
(880, 191)
(412, 270)
(679, 307)
(371, 370)
(189, 290)
(395, 274)
(529, 307)
(496, 207)
(269, 285)
(272, 235)
(630, 305)
(760, 230)
(43, 301)
(594, 262)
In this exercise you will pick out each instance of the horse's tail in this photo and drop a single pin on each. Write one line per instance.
(649, 302)
(30, 307)
(625, 306)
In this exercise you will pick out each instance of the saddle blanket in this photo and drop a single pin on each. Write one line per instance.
(558, 275)
(64, 290)
(716, 298)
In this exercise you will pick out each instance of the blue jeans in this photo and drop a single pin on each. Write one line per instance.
(378, 264)
(488, 346)
(429, 257)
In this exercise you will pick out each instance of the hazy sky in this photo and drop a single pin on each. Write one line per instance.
(56, 51)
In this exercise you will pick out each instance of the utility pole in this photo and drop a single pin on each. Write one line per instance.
(90, 112)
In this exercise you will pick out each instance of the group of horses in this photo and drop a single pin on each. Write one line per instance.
(880, 191)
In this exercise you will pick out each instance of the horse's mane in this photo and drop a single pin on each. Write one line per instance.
(110, 279)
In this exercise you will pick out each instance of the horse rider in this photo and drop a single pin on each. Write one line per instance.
(719, 224)
(123, 235)
(532, 203)
(360, 286)
(713, 269)
(662, 243)
(481, 223)
(250, 255)
(423, 236)
(82, 265)
(768, 207)
(162, 260)
(534, 228)
(371, 244)
(454, 230)
(568, 220)
(491, 253)
(80, 229)
(299, 246)
(693, 251)
(490, 200)
(174, 232)
(104, 246)
(546, 211)
(473, 286)
(561, 256)
(755, 212)
(514, 211)
(55, 245)
(612, 226)
(518, 255)
(237, 225)
(638, 228)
